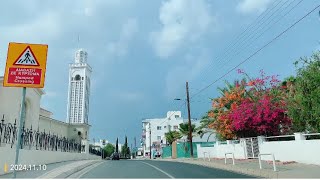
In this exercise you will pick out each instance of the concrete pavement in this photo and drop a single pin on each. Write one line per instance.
(35, 174)
(251, 167)
(67, 170)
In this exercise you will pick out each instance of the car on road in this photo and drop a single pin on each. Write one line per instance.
(115, 156)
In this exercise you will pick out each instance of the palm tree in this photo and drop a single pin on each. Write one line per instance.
(204, 127)
(172, 136)
(184, 129)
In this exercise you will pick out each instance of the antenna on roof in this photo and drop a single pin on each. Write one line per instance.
(78, 41)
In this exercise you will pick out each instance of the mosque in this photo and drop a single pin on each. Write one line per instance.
(37, 119)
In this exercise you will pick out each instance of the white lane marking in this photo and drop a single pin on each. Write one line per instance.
(159, 170)
(88, 169)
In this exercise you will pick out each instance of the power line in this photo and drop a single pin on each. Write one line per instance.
(243, 36)
(256, 52)
(263, 15)
(206, 100)
(270, 26)
(248, 43)
(247, 47)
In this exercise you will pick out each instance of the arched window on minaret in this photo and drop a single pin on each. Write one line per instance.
(78, 77)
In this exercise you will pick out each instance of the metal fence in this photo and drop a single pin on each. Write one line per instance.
(31, 139)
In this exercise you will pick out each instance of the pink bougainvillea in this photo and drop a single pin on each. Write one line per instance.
(251, 107)
(264, 117)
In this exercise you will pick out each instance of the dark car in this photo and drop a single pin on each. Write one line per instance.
(115, 156)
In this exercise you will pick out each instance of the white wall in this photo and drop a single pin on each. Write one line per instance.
(219, 150)
(209, 151)
(303, 151)
(10, 105)
(54, 126)
(36, 157)
(298, 150)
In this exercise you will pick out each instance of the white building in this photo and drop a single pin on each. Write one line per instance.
(100, 143)
(157, 127)
(37, 118)
(71, 141)
(79, 89)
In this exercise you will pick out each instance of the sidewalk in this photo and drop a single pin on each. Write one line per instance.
(68, 169)
(251, 167)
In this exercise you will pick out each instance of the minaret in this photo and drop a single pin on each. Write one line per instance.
(79, 89)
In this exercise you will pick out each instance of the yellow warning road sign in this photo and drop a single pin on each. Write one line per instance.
(26, 65)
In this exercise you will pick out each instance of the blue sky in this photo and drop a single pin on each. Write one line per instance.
(142, 52)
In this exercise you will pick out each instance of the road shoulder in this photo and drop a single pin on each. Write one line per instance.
(251, 167)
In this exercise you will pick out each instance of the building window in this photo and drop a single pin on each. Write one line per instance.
(164, 126)
(77, 77)
(176, 116)
(175, 127)
(158, 137)
(158, 127)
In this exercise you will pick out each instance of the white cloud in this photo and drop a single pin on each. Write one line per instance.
(189, 71)
(44, 27)
(183, 22)
(253, 6)
(119, 48)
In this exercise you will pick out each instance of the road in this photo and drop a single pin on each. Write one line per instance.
(154, 169)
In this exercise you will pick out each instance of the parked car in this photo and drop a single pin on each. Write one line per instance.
(115, 156)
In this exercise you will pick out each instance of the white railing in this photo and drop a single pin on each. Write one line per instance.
(225, 158)
(283, 136)
(204, 155)
(270, 137)
(311, 134)
(273, 159)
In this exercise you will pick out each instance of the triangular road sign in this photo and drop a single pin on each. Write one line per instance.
(27, 58)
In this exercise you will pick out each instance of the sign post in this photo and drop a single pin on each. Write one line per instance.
(26, 68)
(20, 130)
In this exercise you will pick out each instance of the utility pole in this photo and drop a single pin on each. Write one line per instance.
(101, 153)
(150, 137)
(189, 117)
(135, 146)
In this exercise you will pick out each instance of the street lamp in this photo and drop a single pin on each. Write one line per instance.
(150, 138)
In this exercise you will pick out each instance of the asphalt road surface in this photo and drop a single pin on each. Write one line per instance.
(155, 169)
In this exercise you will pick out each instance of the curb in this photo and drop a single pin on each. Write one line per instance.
(74, 170)
(55, 173)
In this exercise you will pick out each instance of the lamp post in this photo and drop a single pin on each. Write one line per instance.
(150, 138)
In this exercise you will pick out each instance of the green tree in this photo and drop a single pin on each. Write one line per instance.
(125, 149)
(117, 146)
(304, 103)
(108, 150)
(184, 129)
(172, 136)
